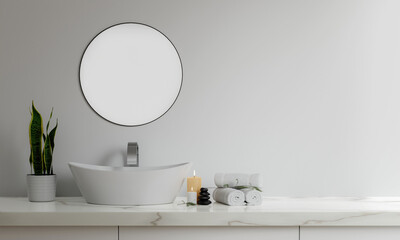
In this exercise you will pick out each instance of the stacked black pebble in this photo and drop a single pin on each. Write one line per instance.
(204, 198)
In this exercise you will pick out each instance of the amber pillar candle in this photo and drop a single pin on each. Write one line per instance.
(194, 184)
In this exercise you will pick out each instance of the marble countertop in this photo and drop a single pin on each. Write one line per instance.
(275, 211)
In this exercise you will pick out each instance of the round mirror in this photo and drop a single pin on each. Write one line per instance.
(130, 74)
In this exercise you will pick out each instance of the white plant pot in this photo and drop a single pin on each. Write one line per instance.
(41, 188)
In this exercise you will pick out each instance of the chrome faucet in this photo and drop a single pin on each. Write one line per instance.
(132, 156)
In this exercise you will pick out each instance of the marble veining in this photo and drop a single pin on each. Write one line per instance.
(313, 222)
(159, 217)
(275, 211)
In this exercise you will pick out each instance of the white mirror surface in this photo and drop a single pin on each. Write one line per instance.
(131, 74)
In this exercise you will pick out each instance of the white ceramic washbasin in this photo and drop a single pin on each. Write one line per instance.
(129, 185)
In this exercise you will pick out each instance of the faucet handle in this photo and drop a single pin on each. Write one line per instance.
(132, 156)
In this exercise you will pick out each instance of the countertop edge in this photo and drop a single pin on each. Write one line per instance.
(304, 212)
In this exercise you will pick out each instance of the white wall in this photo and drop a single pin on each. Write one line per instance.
(305, 92)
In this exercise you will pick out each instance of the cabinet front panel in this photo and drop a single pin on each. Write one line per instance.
(59, 233)
(349, 233)
(205, 233)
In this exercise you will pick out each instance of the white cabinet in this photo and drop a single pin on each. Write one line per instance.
(349, 233)
(59, 233)
(202, 233)
(153, 233)
(199, 233)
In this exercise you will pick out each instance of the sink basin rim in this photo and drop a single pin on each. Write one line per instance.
(110, 168)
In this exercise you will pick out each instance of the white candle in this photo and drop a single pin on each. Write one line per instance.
(192, 196)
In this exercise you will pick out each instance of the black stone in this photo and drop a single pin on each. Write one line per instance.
(207, 202)
(203, 198)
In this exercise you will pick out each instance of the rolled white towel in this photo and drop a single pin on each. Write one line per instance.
(237, 179)
(252, 197)
(229, 196)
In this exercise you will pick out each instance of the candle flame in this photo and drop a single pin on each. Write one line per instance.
(194, 173)
(192, 189)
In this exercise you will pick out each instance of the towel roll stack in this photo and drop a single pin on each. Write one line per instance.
(227, 194)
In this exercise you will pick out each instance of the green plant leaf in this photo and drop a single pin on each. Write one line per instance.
(35, 138)
(52, 135)
(247, 187)
(44, 165)
(48, 150)
(47, 156)
(30, 161)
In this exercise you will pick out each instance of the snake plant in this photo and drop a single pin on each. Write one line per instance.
(41, 160)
